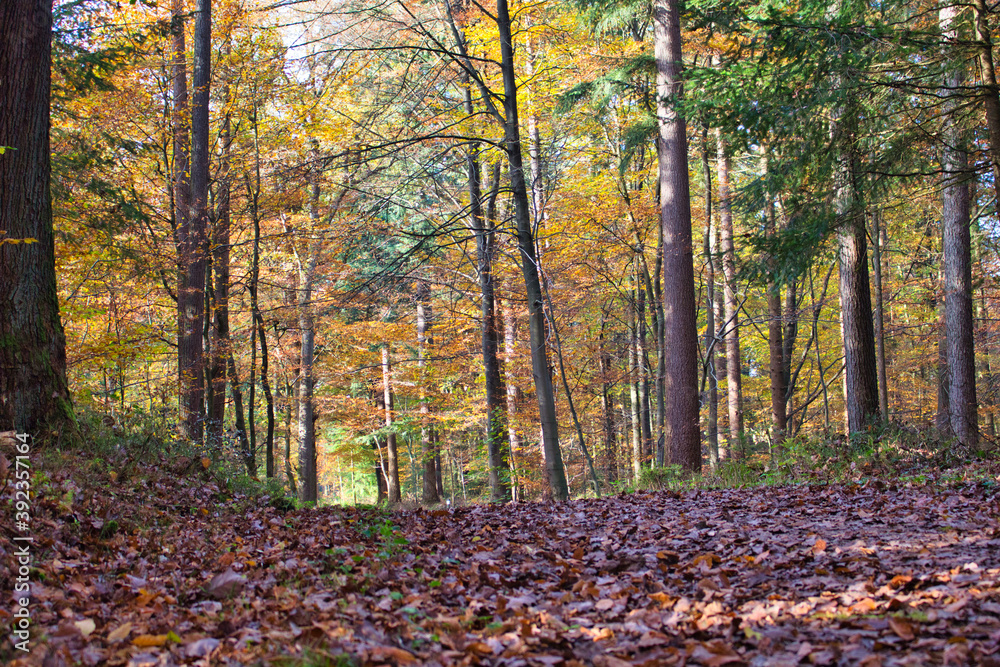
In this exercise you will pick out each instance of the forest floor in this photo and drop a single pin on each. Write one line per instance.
(163, 567)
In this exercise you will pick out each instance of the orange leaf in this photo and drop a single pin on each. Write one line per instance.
(147, 641)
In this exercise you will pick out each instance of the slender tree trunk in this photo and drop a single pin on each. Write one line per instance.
(513, 393)
(529, 265)
(194, 257)
(957, 248)
(883, 384)
(679, 310)
(642, 354)
(485, 231)
(289, 473)
(219, 335)
(427, 441)
(306, 418)
(607, 409)
(392, 454)
(708, 249)
(776, 348)
(734, 380)
(633, 382)
(34, 397)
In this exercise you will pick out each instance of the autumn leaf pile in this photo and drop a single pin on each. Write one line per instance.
(873, 574)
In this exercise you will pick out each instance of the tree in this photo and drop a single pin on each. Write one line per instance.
(679, 313)
(34, 396)
(957, 253)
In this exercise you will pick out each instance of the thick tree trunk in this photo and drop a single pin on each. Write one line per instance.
(679, 310)
(957, 247)
(529, 265)
(392, 454)
(734, 379)
(427, 440)
(860, 371)
(194, 254)
(33, 393)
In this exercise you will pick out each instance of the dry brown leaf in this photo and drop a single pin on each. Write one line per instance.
(119, 633)
(901, 627)
(147, 641)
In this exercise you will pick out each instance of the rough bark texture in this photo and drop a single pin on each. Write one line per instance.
(860, 372)
(427, 441)
(734, 374)
(957, 248)
(679, 313)
(555, 471)
(194, 238)
(33, 392)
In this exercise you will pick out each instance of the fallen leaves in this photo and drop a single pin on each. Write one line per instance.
(726, 577)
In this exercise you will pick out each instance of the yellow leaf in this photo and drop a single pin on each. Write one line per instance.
(147, 641)
(205, 462)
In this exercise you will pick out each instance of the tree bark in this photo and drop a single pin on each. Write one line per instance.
(883, 384)
(734, 378)
(860, 371)
(529, 265)
(515, 438)
(392, 455)
(34, 397)
(219, 335)
(990, 90)
(427, 441)
(679, 311)
(775, 344)
(957, 248)
(711, 343)
(194, 254)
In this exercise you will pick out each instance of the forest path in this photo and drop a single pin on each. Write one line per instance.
(874, 574)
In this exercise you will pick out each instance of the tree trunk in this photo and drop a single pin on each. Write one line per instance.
(775, 344)
(633, 388)
(529, 266)
(427, 441)
(194, 253)
(392, 455)
(734, 379)
(711, 343)
(219, 335)
(957, 248)
(34, 397)
(513, 392)
(679, 311)
(883, 384)
(306, 418)
(990, 90)
(860, 371)
(607, 408)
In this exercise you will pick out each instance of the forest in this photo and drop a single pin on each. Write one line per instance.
(420, 290)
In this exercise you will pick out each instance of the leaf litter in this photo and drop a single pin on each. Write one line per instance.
(874, 574)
